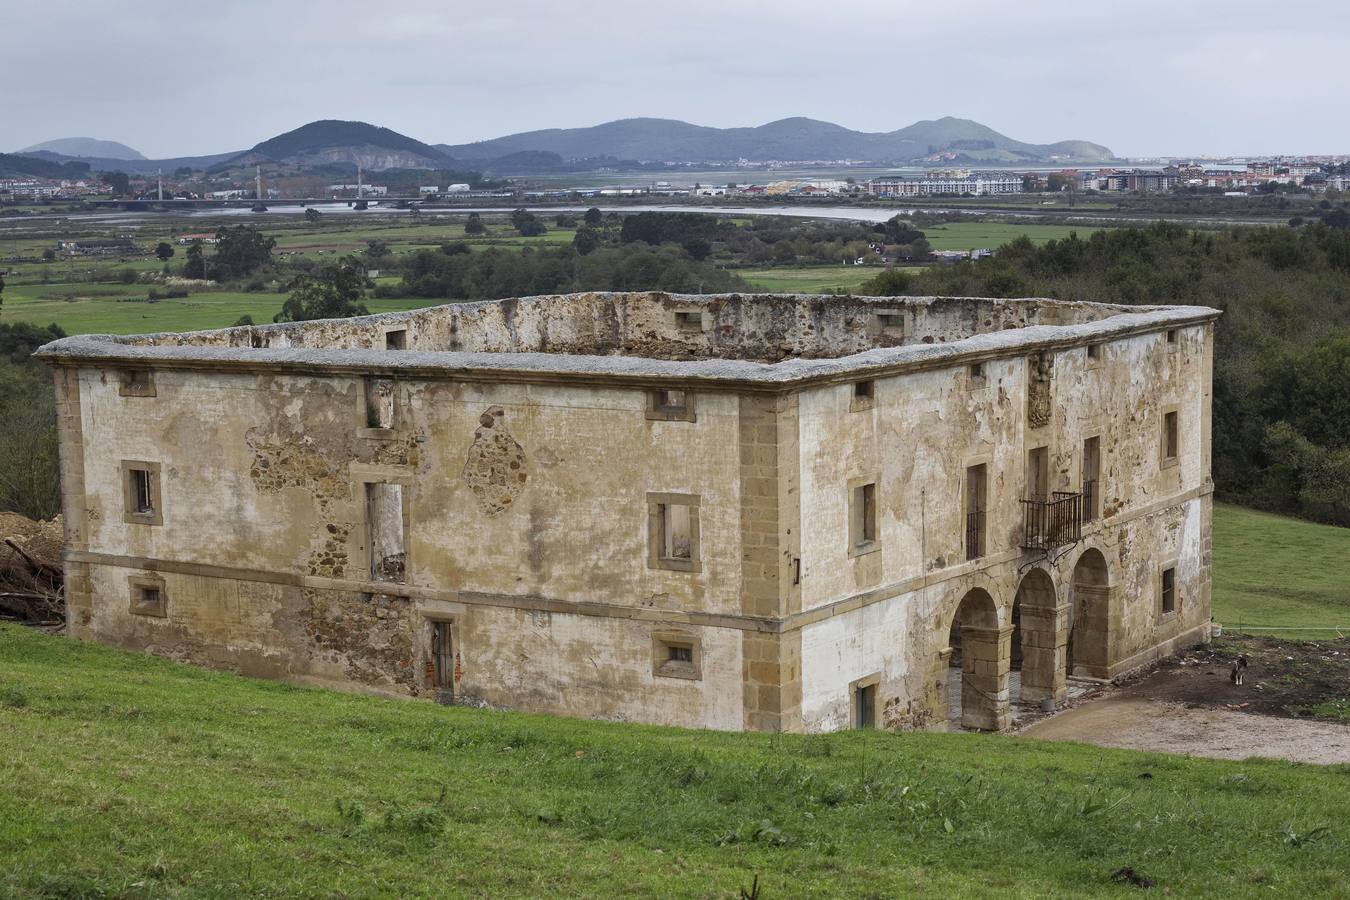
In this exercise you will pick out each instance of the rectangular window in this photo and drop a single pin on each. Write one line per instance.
(1172, 336)
(673, 532)
(1094, 352)
(1169, 591)
(385, 531)
(1092, 465)
(141, 493)
(396, 340)
(676, 655)
(670, 406)
(977, 487)
(1038, 474)
(891, 322)
(863, 518)
(1171, 436)
(147, 597)
(379, 403)
(689, 320)
(863, 396)
(975, 374)
(136, 383)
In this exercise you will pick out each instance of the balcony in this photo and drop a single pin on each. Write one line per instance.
(1053, 523)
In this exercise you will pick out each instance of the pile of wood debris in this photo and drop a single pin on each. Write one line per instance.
(30, 570)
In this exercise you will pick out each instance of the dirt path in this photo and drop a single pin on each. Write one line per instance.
(1134, 723)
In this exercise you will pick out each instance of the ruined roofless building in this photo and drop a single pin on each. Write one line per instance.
(732, 511)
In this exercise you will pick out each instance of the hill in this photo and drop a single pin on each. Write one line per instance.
(15, 165)
(796, 139)
(135, 775)
(333, 141)
(85, 146)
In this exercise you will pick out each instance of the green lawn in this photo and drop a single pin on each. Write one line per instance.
(808, 279)
(1279, 572)
(129, 776)
(990, 235)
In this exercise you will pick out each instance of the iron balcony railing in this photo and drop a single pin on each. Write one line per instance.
(1052, 523)
(975, 534)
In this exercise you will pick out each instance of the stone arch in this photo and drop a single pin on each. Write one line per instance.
(1089, 638)
(1040, 632)
(981, 645)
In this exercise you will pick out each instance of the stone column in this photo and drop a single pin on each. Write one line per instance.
(1045, 638)
(986, 656)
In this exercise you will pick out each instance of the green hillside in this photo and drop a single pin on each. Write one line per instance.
(129, 776)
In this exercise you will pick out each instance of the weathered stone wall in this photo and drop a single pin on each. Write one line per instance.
(889, 611)
(759, 327)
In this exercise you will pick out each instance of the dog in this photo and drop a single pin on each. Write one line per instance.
(1239, 670)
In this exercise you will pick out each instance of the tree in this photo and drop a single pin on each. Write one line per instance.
(890, 283)
(2, 290)
(164, 250)
(312, 215)
(565, 220)
(48, 255)
(119, 182)
(196, 262)
(474, 224)
(243, 320)
(334, 292)
(697, 248)
(593, 217)
(586, 240)
(377, 252)
(240, 251)
(30, 477)
(527, 224)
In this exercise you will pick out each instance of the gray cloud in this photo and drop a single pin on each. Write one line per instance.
(1145, 77)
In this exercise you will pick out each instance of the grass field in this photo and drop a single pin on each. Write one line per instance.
(129, 776)
(1278, 572)
(990, 235)
(808, 279)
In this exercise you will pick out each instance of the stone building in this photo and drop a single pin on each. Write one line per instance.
(733, 511)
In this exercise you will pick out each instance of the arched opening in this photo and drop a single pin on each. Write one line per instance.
(1088, 648)
(977, 680)
(1038, 640)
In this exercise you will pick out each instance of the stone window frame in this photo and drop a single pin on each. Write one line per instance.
(891, 321)
(138, 606)
(657, 411)
(1166, 615)
(361, 475)
(136, 383)
(682, 317)
(366, 430)
(1094, 353)
(665, 667)
(657, 501)
(862, 395)
(976, 375)
(1165, 461)
(855, 688)
(986, 460)
(857, 546)
(395, 330)
(1173, 339)
(130, 514)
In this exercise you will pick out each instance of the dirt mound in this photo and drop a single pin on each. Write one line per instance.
(30, 569)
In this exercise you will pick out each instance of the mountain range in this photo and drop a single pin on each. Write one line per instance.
(625, 142)
(796, 139)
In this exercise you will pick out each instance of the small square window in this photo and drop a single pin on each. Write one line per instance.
(136, 383)
(689, 320)
(673, 532)
(1172, 336)
(148, 597)
(666, 405)
(1169, 591)
(975, 374)
(141, 493)
(676, 654)
(1094, 352)
(891, 322)
(396, 340)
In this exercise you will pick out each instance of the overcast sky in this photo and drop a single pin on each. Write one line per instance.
(1145, 77)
